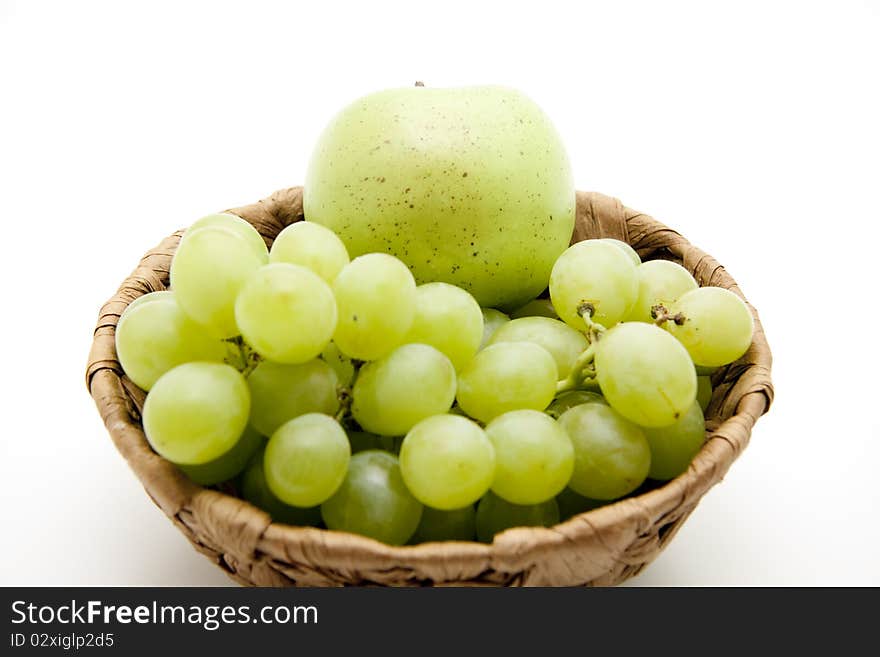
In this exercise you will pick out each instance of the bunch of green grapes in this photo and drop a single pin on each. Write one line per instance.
(338, 393)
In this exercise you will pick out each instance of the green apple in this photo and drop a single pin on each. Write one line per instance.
(469, 186)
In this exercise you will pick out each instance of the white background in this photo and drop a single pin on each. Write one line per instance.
(751, 127)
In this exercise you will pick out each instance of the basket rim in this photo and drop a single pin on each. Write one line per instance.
(201, 512)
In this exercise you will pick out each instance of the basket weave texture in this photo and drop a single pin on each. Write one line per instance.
(602, 547)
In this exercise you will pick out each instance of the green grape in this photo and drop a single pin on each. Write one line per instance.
(626, 248)
(448, 319)
(558, 338)
(674, 447)
(256, 491)
(535, 308)
(454, 525)
(160, 295)
(494, 515)
(310, 245)
(196, 412)
(704, 392)
(505, 377)
(287, 313)
(210, 267)
(376, 297)
(660, 282)
(492, 321)
(611, 454)
(717, 328)
(306, 459)
(572, 504)
(341, 364)
(373, 500)
(154, 335)
(411, 383)
(705, 371)
(282, 392)
(227, 465)
(534, 457)
(597, 273)
(237, 225)
(645, 376)
(571, 399)
(447, 461)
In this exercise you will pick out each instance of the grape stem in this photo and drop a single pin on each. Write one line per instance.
(344, 393)
(581, 372)
(661, 315)
(245, 359)
(594, 329)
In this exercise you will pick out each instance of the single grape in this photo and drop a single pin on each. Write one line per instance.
(492, 321)
(237, 225)
(282, 392)
(160, 295)
(447, 461)
(341, 364)
(312, 246)
(704, 392)
(448, 319)
(626, 248)
(558, 338)
(376, 297)
(660, 282)
(229, 464)
(645, 376)
(705, 371)
(534, 457)
(287, 313)
(572, 504)
(154, 335)
(674, 447)
(256, 491)
(196, 412)
(535, 308)
(494, 515)
(411, 383)
(611, 454)
(597, 273)
(373, 500)
(717, 328)
(571, 399)
(507, 376)
(306, 459)
(209, 268)
(454, 525)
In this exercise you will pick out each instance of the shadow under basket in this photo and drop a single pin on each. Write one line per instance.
(604, 546)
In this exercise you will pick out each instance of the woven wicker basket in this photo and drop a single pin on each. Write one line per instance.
(602, 547)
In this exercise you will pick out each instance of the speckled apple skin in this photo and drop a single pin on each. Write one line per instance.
(470, 186)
